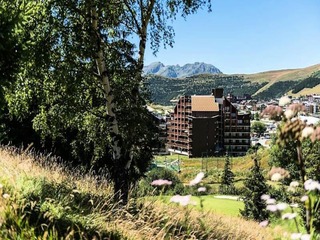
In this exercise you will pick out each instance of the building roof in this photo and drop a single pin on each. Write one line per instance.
(204, 104)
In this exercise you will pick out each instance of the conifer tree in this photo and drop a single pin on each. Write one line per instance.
(254, 206)
(227, 186)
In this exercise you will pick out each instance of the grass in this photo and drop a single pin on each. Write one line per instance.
(47, 201)
(214, 165)
(221, 206)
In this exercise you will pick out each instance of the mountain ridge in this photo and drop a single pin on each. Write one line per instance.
(177, 71)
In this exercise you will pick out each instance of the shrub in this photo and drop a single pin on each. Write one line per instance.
(145, 188)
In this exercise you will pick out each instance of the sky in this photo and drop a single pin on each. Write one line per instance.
(247, 36)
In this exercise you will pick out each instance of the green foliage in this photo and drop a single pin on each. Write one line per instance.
(145, 188)
(227, 179)
(309, 82)
(256, 116)
(285, 157)
(311, 155)
(80, 87)
(258, 127)
(255, 207)
(276, 90)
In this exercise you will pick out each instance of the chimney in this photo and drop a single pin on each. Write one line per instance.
(217, 92)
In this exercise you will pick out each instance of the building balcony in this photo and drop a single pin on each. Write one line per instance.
(236, 144)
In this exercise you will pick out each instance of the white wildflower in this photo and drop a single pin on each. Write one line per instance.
(197, 179)
(304, 198)
(282, 206)
(289, 216)
(1, 186)
(276, 177)
(311, 185)
(285, 100)
(305, 237)
(265, 197)
(6, 196)
(296, 235)
(270, 201)
(294, 184)
(202, 189)
(294, 205)
(307, 132)
(272, 208)
(289, 113)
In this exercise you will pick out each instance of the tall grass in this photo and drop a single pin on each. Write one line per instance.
(49, 201)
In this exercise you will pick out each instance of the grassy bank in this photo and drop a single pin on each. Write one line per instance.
(43, 200)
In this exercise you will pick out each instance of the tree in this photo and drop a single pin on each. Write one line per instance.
(258, 127)
(284, 157)
(255, 185)
(18, 18)
(85, 80)
(227, 186)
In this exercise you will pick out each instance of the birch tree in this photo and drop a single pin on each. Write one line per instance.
(88, 65)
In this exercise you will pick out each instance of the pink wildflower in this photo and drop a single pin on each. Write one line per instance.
(264, 223)
(272, 111)
(197, 179)
(297, 107)
(315, 135)
(161, 182)
(182, 200)
(307, 132)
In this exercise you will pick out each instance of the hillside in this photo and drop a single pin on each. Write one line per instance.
(263, 85)
(44, 200)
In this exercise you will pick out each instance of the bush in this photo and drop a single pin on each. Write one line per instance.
(145, 188)
(227, 189)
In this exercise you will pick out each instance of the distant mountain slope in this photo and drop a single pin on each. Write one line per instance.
(263, 85)
(176, 71)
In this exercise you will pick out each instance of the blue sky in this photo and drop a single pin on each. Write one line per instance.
(247, 36)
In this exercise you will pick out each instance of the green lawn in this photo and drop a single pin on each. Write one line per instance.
(222, 206)
(231, 207)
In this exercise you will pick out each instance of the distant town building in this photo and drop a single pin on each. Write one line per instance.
(203, 125)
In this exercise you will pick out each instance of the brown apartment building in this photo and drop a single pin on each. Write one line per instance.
(207, 124)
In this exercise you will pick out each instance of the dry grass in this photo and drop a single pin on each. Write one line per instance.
(283, 75)
(272, 77)
(140, 219)
(306, 91)
(160, 221)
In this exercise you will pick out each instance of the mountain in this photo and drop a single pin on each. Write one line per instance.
(176, 71)
(265, 85)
